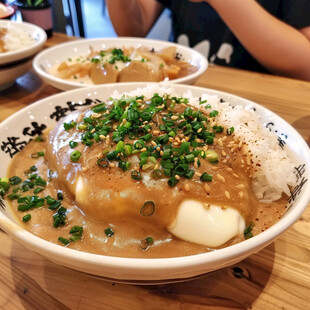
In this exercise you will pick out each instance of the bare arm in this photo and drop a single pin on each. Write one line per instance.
(133, 17)
(279, 47)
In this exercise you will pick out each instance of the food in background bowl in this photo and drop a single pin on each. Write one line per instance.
(6, 11)
(14, 39)
(126, 64)
(46, 62)
(152, 174)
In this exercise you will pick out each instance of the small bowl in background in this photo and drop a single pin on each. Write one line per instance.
(15, 63)
(54, 56)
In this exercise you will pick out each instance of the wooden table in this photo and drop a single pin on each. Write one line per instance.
(277, 277)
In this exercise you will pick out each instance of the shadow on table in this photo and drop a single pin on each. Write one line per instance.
(41, 284)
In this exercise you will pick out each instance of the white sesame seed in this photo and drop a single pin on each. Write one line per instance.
(95, 115)
(221, 178)
(227, 194)
(207, 187)
(186, 187)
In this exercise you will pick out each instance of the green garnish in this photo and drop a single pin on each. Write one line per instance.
(148, 208)
(60, 217)
(75, 156)
(136, 175)
(69, 125)
(73, 144)
(26, 218)
(230, 130)
(64, 240)
(109, 232)
(15, 180)
(103, 162)
(205, 177)
(248, 231)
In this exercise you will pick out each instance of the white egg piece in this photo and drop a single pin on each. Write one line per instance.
(212, 226)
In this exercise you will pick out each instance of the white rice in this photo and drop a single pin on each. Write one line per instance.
(16, 39)
(273, 169)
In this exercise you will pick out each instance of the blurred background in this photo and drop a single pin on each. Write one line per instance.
(90, 19)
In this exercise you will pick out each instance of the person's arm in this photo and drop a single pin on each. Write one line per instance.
(133, 17)
(279, 47)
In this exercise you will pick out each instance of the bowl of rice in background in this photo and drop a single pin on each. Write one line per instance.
(283, 153)
(19, 42)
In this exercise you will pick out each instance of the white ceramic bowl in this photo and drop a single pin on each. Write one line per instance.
(38, 35)
(10, 73)
(145, 271)
(6, 11)
(54, 56)
(14, 64)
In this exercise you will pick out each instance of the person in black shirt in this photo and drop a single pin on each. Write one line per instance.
(264, 35)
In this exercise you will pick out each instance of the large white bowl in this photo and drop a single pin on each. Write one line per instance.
(145, 271)
(38, 35)
(54, 56)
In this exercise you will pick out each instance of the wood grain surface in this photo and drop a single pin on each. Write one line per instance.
(277, 277)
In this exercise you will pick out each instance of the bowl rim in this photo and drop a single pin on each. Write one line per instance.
(12, 56)
(10, 11)
(49, 78)
(164, 264)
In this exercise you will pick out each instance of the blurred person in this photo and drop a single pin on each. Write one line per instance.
(264, 35)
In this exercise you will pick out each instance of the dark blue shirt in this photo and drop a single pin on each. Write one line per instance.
(199, 26)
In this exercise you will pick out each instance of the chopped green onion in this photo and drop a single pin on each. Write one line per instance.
(109, 232)
(102, 162)
(139, 144)
(136, 175)
(124, 165)
(149, 240)
(189, 174)
(206, 177)
(148, 208)
(73, 144)
(230, 130)
(26, 218)
(69, 125)
(15, 180)
(211, 155)
(75, 156)
(248, 231)
(64, 240)
(172, 181)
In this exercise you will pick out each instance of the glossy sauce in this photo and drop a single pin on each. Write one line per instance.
(114, 199)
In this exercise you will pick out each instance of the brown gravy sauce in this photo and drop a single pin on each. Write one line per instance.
(114, 199)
